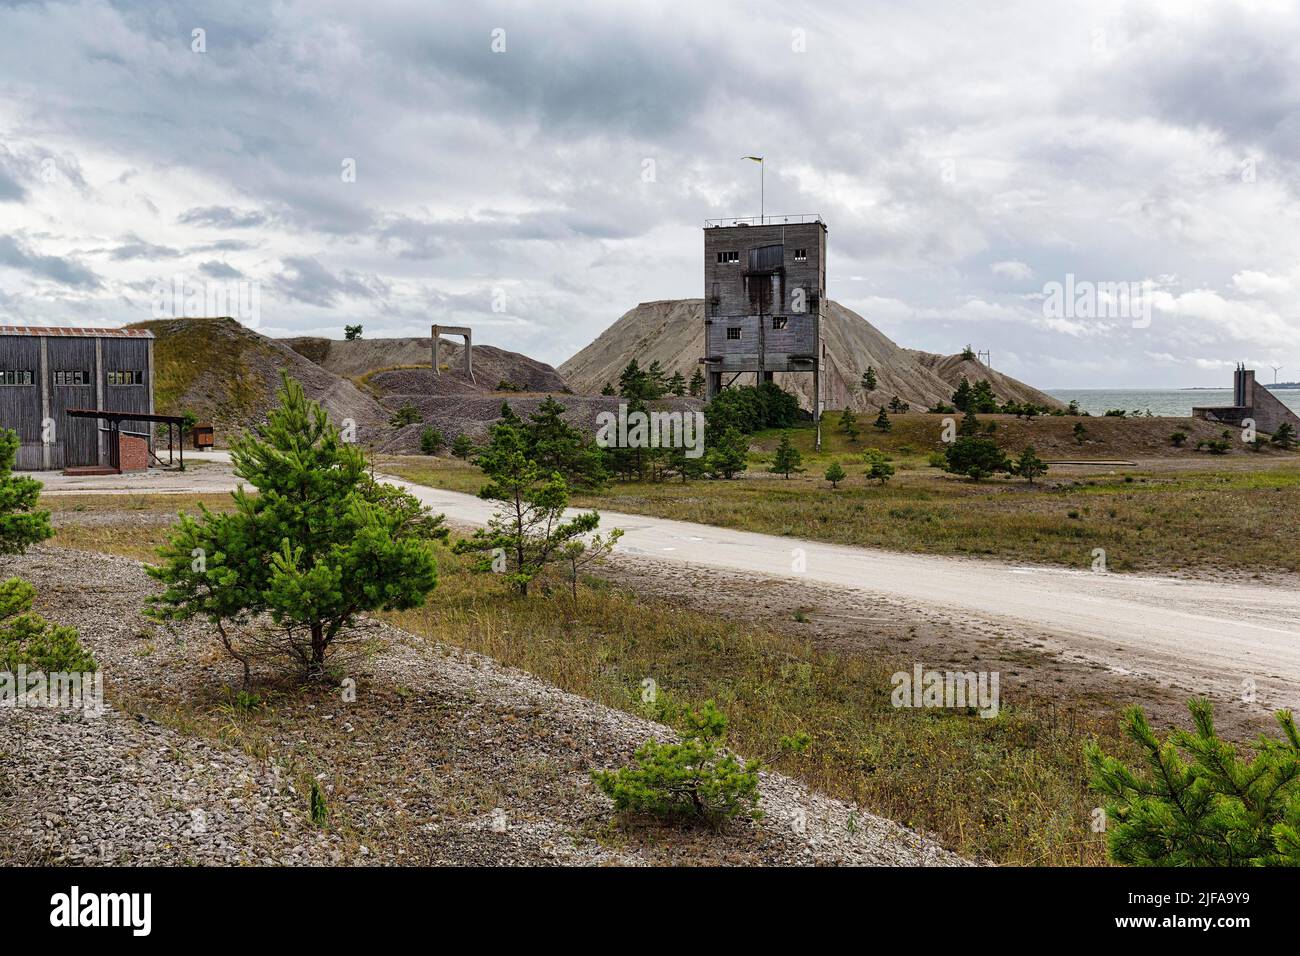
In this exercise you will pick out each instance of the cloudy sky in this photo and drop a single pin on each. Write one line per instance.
(536, 170)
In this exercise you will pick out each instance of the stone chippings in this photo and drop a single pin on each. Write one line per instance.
(445, 757)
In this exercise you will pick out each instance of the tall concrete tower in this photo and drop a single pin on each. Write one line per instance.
(764, 285)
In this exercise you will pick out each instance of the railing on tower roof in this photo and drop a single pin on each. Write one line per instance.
(766, 220)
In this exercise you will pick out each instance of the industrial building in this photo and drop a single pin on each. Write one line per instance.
(764, 285)
(47, 372)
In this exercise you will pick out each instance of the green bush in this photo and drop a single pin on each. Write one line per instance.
(693, 780)
(462, 446)
(1209, 808)
(28, 639)
(408, 414)
(430, 441)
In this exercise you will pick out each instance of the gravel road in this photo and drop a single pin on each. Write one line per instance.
(1217, 637)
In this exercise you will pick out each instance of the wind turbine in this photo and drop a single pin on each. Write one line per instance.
(1276, 369)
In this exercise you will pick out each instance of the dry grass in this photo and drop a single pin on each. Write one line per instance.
(1200, 515)
(1011, 789)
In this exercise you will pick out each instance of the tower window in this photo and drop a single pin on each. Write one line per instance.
(801, 255)
(733, 332)
(19, 377)
(74, 377)
(778, 321)
(729, 258)
(127, 377)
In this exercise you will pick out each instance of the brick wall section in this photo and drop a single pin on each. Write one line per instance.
(132, 453)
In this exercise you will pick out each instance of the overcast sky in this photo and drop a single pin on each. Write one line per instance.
(535, 170)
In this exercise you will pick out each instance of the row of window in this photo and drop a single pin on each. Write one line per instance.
(71, 377)
(731, 258)
(778, 322)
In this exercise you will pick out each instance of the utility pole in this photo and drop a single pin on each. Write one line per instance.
(762, 187)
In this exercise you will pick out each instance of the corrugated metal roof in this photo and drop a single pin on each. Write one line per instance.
(60, 331)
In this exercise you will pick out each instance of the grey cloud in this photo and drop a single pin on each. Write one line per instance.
(223, 217)
(133, 247)
(219, 270)
(304, 279)
(69, 272)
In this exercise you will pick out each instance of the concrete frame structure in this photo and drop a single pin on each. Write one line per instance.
(461, 330)
(1250, 400)
(764, 285)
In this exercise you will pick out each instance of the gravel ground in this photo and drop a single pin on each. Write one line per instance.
(444, 757)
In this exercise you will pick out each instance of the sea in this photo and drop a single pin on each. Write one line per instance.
(1176, 402)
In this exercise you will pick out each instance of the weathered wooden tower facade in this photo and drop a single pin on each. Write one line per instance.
(44, 372)
(764, 285)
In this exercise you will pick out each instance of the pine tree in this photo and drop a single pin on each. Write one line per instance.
(882, 421)
(961, 398)
(787, 458)
(557, 446)
(528, 527)
(696, 388)
(657, 381)
(729, 453)
(849, 424)
(835, 474)
(608, 390)
(320, 543)
(970, 425)
(430, 441)
(1196, 802)
(677, 384)
(1029, 466)
(21, 526)
(27, 639)
(462, 446)
(1284, 437)
(880, 471)
(869, 380)
(975, 457)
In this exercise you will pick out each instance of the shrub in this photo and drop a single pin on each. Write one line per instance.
(835, 474)
(408, 414)
(695, 779)
(1179, 439)
(1197, 803)
(880, 471)
(430, 441)
(1284, 437)
(26, 638)
(30, 640)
